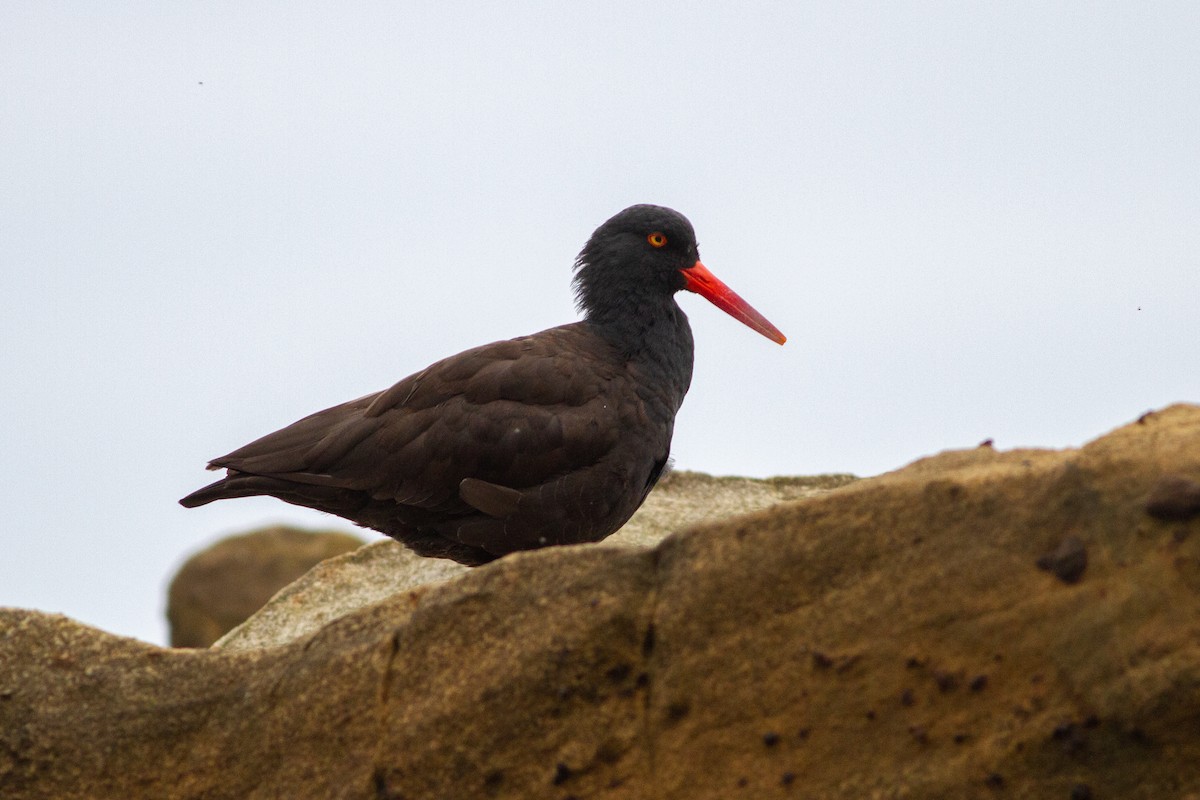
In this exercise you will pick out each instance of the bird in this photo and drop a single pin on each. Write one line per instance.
(548, 439)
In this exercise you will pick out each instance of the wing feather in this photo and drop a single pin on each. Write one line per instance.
(508, 414)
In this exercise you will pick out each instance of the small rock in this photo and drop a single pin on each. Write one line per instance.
(1174, 498)
(218, 588)
(1067, 561)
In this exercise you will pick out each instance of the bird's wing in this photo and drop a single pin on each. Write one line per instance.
(515, 413)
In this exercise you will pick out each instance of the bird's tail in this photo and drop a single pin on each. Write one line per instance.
(330, 499)
(241, 484)
(218, 490)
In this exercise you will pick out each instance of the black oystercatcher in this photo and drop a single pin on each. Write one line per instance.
(554, 438)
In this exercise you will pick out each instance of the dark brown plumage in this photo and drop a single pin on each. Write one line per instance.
(554, 438)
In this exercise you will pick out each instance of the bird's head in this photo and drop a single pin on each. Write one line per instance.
(650, 251)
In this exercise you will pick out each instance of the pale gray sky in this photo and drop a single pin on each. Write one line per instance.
(972, 220)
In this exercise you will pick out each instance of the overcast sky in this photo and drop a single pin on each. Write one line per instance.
(972, 220)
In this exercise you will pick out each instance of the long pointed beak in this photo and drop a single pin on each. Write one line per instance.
(704, 283)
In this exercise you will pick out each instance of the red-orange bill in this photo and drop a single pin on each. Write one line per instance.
(704, 283)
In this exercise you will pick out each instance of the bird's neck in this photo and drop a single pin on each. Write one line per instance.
(653, 333)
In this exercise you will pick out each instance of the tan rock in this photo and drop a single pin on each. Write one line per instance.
(219, 587)
(892, 638)
(335, 588)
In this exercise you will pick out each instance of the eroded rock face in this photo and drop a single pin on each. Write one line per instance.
(219, 587)
(892, 638)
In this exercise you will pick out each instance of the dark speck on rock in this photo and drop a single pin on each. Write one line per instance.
(946, 681)
(562, 773)
(1072, 737)
(618, 673)
(742, 783)
(821, 661)
(381, 787)
(1062, 730)
(787, 778)
(770, 739)
(1081, 791)
(648, 641)
(994, 781)
(978, 683)
(1174, 498)
(1067, 561)
(678, 710)
(907, 698)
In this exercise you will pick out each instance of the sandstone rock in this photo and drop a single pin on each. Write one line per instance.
(219, 587)
(892, 638)
(384, 567)
(335, 588)
(683, 499)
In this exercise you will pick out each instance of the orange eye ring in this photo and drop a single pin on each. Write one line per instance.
(657, 239)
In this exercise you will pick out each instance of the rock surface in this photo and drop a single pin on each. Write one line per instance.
(892, 638)
(385, 567)
(219, 587)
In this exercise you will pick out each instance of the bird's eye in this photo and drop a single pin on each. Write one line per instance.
(656, 239)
